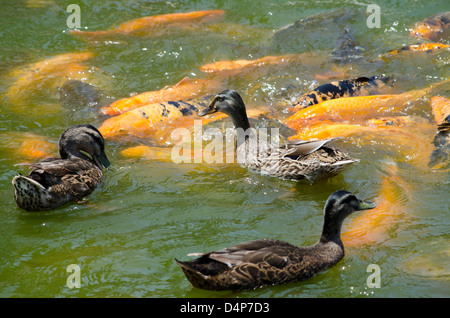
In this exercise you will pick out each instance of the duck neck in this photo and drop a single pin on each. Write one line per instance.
(240, 121)
(332, 232)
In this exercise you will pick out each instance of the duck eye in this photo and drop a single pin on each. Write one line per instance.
(219, 98)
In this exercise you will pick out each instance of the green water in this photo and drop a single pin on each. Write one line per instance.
(125, 236)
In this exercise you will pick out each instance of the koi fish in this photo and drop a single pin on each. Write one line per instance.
(400, 121)
(143, 121)
(48, 66)
(157, 121)
(433, 28)
(238, 64)
(34, 77)
(374, 226)
(349, 108)
(26, 146)
(185, 89)
(328, 129)
(155, 25)
(167, 154)
(406, 137)
(338, 89)
(207, 154)
(346, 108)
(33, 149)
(422, 47)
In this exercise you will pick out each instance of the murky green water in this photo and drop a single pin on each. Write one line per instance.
(125, 236)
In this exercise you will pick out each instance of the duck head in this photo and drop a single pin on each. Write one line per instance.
(229, 102)
(86, 142)
(339, 205)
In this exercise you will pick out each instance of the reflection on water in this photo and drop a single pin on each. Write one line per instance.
(149, 210)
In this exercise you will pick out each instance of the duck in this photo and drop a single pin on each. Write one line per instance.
(300, 160)
(53, 182)
(260, 263)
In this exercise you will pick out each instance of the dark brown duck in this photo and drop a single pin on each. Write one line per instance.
(265, 262)
(53, 182)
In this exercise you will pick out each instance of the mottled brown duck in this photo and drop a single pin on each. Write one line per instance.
(265, 262)
(301, 160)
(53, 182)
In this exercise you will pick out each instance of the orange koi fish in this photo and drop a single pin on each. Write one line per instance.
(32, 78)
(381, 126)
(27, 146)
(348, 108)
(238, 64)
(33, 149)
(157, 121)
(374, 226)
(155, 25)
(142, 121)
(400, 121)
(326, 129)
(423, 47)
(166, 154)
(345, 88)
(185, 89)
(360, 107)
(434, 28)
(408, 138)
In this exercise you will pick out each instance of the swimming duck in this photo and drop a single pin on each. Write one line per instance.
(53, 182)
(297, 160)
(264, 262)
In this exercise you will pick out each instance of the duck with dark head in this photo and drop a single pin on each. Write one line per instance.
(311, 161)
(53, 182)
(265, 262)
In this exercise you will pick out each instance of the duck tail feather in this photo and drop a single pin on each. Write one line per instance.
(29, 194)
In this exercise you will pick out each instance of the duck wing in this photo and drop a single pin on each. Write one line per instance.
(304, 147)
(78, 176)
(274, 252)
(60, 167)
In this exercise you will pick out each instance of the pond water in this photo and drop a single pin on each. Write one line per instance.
(148, 211)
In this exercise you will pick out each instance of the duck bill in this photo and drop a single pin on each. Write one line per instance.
(364, 205)
(208, 110)
(102, 160)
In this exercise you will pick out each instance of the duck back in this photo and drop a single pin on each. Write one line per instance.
(54, 182)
